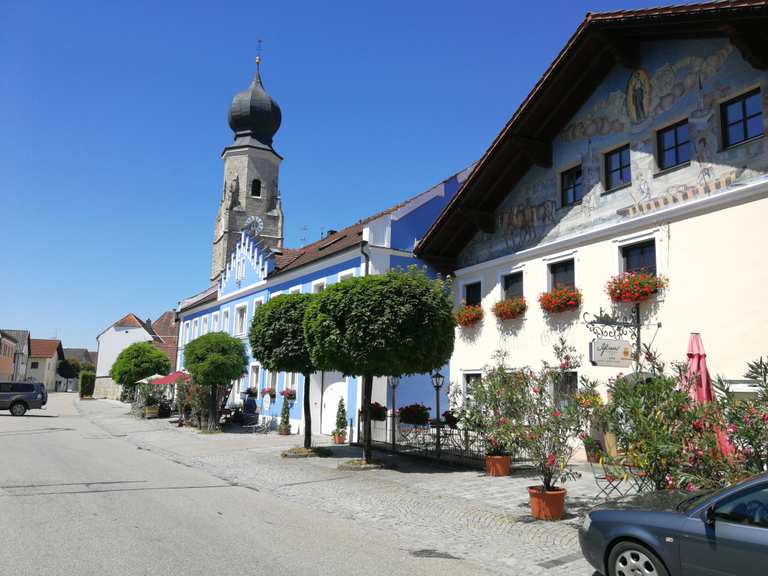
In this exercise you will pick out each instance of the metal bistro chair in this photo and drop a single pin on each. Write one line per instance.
(638, 479)
(608, 479)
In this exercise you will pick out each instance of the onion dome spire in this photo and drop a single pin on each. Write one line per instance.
(254, 113)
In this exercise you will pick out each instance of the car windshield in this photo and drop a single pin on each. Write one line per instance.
(699, 497)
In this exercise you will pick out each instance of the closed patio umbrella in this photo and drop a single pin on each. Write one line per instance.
(700, 384)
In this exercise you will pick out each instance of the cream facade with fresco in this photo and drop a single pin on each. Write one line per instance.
(701, 204)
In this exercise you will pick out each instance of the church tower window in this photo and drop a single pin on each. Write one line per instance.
(256, 188)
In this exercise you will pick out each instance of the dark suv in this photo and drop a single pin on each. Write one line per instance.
(18, 397)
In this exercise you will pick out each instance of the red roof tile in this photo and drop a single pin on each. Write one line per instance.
(42, 348)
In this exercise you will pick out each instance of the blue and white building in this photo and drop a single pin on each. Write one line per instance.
(249, 231)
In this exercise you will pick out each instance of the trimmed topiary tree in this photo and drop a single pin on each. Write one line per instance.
(285, 418)
(393, 324)
(278, 342)
(87, 383)
(138, 361)
(213, 361)
(341, 419)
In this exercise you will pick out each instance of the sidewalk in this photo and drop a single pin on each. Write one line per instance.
(432, 509)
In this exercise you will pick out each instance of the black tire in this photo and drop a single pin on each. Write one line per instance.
(628, 554)
(18, 408)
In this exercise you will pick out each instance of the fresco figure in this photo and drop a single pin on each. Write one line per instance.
(638, 96)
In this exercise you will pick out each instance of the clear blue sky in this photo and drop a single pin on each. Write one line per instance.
(113, 117)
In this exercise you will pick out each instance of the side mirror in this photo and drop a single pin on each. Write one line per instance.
(709, 516)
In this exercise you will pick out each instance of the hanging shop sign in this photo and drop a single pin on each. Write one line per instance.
(605, 352)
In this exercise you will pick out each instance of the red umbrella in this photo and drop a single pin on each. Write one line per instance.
(171, 378)
(700, 383)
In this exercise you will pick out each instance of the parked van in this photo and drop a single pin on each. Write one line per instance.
(18, 397)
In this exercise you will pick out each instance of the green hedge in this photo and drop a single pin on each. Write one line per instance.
(87, 383)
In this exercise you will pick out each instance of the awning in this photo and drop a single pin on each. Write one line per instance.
(172, 378)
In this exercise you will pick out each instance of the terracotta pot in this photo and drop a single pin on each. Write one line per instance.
(594, 456)
(339, 438)
(284, 431)
(497, 465)
(547, 505)
(151, 411)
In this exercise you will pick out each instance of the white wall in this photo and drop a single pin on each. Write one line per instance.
(113, 341)
(716, 269)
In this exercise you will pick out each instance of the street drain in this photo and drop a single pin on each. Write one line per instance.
(429, 553)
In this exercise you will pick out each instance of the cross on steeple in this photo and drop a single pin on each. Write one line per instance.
(258, 53)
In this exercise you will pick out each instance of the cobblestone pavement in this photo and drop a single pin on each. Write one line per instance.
(438, 511)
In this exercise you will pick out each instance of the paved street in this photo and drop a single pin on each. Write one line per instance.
(87, 489)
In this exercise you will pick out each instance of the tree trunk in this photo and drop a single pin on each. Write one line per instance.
(307, 415)
(213, 420)
(367, 392)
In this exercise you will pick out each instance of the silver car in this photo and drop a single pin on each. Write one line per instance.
(18, 397)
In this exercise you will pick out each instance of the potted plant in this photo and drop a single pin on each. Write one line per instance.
(551, 424)
(340, 432)
(289, 394)
(468, 315)
(284, 428)
(151, 407)
(268, 391)
(560, 299)
(378, 412)
(592, 447)
(494, 413)
(415, 414)
(634, 287)
(510, 308)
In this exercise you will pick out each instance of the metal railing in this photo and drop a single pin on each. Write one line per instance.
(437, 441)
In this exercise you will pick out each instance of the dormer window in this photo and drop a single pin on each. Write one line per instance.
(255, 188)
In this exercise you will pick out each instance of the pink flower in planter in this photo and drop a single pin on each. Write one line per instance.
(536, 390)
(556, 414)
(551, 460)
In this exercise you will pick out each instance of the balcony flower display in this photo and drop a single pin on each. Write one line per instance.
(289, 394)
(416, 414)
(510, 308)
(378, 412)
(560, 299)
(268, 391)
(634, 287)
(469, 315)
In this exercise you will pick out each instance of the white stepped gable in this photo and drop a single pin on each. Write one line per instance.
(248, 264)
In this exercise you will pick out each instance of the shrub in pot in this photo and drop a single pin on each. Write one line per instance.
(378, 411)
(284, 428)
(340, 432)
(416, 414)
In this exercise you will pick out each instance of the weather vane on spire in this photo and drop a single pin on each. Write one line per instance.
(258, 53)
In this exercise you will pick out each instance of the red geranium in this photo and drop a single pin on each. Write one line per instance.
(469, 315)
(634, 287)
(510, 308)
(560, 299)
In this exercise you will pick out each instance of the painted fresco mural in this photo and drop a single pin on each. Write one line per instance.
(677, 80)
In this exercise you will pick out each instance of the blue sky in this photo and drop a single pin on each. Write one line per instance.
(113, 117)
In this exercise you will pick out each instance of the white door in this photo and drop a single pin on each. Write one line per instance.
(335, 389)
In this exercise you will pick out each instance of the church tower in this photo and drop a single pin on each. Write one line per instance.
(250, 198)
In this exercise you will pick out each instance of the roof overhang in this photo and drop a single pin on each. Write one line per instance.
(601, 42)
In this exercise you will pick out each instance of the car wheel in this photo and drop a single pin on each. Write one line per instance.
(633, 559)
(18, 409)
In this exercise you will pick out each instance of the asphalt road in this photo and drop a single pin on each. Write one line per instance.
(76, 500)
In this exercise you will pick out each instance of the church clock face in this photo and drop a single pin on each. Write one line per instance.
(258, 225)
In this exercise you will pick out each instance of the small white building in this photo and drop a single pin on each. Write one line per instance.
(44, 359)
(130, 329)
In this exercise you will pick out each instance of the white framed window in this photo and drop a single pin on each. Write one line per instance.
(225, 320)
(318, 286)
(215, 322)
(194, 328)
(205, 326)
(273, 380)
(257, 303)
(290, 380)
(295, 290)
(253, 377)
(468, 379)
(346, 274)
(240, 315)
(186, 332)
(240, 273)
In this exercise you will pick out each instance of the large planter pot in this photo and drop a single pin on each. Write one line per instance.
(547, 505)
(339, 438)
(151, 411)
(284, 431)
(498, 465)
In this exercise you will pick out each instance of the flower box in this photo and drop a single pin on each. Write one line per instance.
(560, 299)
(289, 394)
(268, 392)
(416, 414)
(510, 308)
(378, 412)
(634, 287)
(469, 315)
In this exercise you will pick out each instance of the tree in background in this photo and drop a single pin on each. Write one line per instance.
(138, 361)
(278, 342)
(213, 361)
(393, 324)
